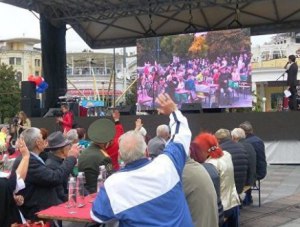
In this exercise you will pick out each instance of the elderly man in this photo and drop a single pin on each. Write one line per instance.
(148, 193)
(261, 163)
(238, 135)
(59, 148)
(157, 144)
(238, 155)
(41, 181)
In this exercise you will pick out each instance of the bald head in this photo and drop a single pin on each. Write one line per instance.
(132, 146)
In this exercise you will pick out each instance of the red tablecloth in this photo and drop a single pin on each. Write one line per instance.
(14, 155)
(61, 212)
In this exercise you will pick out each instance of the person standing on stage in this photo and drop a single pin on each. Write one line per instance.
(66, 121)
(292, 71)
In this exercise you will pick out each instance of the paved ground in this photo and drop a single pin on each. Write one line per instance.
(280, 192)
(280, 198)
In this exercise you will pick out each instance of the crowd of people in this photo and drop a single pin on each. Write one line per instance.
(170, 180)
(180, 79)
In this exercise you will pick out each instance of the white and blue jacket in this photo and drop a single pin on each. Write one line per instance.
(149, 193)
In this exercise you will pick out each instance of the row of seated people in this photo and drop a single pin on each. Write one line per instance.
(144, 192)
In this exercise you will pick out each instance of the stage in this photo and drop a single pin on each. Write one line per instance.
(279, 130)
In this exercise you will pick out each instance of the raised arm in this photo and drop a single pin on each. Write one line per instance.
(22, 169)
(180, 131)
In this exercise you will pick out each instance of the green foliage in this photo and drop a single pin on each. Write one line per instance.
(146, 50)
(176, 45)
(227, 41)
(9, 92)
(131, 95)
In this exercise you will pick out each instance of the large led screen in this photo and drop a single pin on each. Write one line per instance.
(211, 68)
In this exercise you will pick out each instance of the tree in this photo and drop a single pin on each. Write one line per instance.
(198, 47)
(131, 95)
(146, 50)
(9, 92)
(221, 43)
(177, 45)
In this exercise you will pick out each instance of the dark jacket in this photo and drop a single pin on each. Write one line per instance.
(251, 171)
(239, 160)
(261, 163)
(54, 162)
(41, 181)
(292, 75)
(89, 161)
(9, 212)
(214, 175)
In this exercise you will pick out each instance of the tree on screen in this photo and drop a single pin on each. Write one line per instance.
(221, 43)
(199, 47)
(176, 45)
(9, 92)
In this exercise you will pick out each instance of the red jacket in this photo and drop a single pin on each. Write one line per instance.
(113, 149)
(67, 122)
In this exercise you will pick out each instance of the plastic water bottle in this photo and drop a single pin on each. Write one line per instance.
(80, 189)
(103, 171)
(72, 195)
(100, 181)
(5, 162)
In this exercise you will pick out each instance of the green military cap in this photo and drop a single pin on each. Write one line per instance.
(101, 131)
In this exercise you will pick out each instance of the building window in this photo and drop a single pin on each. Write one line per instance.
(37, 62)
(11, 61)
(15, 61)
(36, 73)
(18, 61)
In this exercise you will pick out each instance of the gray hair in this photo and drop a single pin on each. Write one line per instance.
(132, 146)
(238, 133)
(30, 136)
(72, 135)
(222, 133)
(162, 130)
(247, 127)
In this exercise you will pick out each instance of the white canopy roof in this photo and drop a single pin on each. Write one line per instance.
(116, 23)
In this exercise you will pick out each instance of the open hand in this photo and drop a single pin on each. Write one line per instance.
(166, 104)
(21, 145)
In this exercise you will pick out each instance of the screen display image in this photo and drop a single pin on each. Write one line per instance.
(211, 68)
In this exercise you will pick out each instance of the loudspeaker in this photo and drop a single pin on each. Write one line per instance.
(31, 107)
(127, 110)
(28, 90)
(191, 108)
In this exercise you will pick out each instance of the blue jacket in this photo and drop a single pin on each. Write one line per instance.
(149, 193)
(261, 163)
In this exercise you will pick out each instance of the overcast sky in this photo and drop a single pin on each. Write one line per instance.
(18, 22)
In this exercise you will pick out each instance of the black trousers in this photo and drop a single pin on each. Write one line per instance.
(293, 98)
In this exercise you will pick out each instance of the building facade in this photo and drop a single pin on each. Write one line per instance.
(22, 55)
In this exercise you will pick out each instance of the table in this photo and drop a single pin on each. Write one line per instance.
(61, 212)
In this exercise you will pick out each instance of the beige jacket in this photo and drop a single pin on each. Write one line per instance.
(229, 195)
